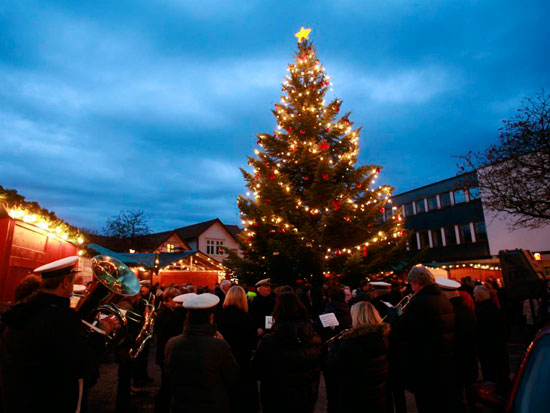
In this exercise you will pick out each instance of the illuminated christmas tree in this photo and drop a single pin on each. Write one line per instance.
(310, 212)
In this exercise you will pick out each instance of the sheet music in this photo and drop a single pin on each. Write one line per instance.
(329, 320)
(389, 305)
(268, 322)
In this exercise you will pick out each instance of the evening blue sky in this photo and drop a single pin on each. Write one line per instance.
(154, 105)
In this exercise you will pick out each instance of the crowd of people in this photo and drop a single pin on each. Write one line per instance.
(260, 348)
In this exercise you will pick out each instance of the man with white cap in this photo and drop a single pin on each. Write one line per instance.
(199, 363)
(43, 351)
(465, 362)
(423, 339)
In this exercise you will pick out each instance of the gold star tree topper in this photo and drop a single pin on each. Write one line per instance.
(303, 34)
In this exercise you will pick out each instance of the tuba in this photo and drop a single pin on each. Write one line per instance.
(112, 281)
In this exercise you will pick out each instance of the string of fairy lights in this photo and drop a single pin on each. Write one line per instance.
(333, 144)
(54, 229)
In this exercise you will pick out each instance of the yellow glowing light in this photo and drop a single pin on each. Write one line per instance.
(303, 34)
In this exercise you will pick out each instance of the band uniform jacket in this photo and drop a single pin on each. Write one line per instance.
(43, 354)
(201, 370)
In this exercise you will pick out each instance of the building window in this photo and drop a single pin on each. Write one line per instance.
(465, 233)
(424, 239)
(170, 247)
(219, 248)
(450, 235)
(460, 196)
(481, 231)
(445, 199)
(388, 214)
(420, 207)
(437, 239)
(432, 203)
(413, 242)
(474, 193)
(408, 208)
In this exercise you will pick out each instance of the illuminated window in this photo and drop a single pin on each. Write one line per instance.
(170, 247)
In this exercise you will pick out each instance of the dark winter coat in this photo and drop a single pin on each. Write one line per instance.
(288, 365)
(359, 368)
(42, 356)
(168, 324)
(201, 370)
(260, 307)
(237, 328)
(492, 344)
(423, 341)
(465, 337)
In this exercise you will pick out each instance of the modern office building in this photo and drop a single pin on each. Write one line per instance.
(450, 225)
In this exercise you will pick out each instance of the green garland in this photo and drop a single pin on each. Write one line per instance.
(15, 201)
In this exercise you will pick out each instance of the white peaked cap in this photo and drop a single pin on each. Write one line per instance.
(79, 288)
(379, 284)
(61, 264)
(447, 284)
(182, 297)
(201, 301)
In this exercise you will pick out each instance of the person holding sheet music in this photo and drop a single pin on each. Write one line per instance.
(288, 361)
(262, 306)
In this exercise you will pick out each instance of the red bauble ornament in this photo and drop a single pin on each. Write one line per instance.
(377, 170)
(346, 121)
(302, 132)
(245, 251)
(337, 253)
(271, 176)
(256, 224)
(324, 146)
(267, 200)
(325, 176)
(306, 178)
(381, 210)
(289, 129)
(259, 142)
(364, 251)
(282, 230)
(337, 204)
(293, 148)
(358, 185)
(327, 129)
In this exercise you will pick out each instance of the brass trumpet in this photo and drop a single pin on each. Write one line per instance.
(401, 305)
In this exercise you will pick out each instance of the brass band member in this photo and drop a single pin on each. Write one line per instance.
(424, 339)
(43, 350)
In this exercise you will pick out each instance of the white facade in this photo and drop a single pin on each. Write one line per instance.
(213, 239)
(501, 237)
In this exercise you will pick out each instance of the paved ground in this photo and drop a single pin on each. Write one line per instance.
(102, 396)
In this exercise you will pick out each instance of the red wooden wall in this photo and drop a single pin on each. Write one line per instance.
(204, 278)
(24, 247)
